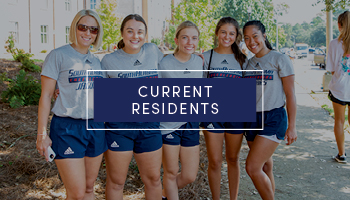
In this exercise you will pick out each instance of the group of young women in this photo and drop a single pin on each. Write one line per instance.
(79, 151)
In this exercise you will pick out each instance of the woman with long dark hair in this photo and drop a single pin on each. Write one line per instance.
(226, 56)
(278, 91)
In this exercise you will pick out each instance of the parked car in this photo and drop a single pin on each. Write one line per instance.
(284, 50)
(320, 57)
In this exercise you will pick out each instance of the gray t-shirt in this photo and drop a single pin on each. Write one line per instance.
(171, 63)
(68, 67)
(147, 59)
(275, 66)
(222, 62)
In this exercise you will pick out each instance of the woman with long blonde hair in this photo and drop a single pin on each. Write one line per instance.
(338, 62)
(183, 144)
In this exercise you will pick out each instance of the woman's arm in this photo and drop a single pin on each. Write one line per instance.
(288, 87)
(47, 90)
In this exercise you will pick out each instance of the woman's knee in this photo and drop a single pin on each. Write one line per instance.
(215, 163)
(171, 173)
(76, 194)
(152, 179)
(232, 160)
(251, 168)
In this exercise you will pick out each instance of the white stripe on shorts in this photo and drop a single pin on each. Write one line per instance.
(272, 137)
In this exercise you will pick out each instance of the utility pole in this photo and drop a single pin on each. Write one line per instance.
(329, 27)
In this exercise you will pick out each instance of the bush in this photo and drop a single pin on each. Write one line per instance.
(155, 41)
(43, 51)
(24, 90)
(20, 55)
(29, 65)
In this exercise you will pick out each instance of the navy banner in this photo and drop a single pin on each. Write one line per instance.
(175, 100)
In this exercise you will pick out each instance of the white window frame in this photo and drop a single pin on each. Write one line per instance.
(67, 5)
(67, 29)
(44, 38)
(14, 31)
(93, 4)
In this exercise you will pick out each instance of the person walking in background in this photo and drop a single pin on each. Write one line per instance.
(227, 56)
(78, 151)
(278, 91)
(146, 145)
(183, 144)
(338, 62)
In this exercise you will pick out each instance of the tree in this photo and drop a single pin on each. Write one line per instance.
(333, 4)
(199, 12)
(260, 10)
(318, 36)
(110, 21)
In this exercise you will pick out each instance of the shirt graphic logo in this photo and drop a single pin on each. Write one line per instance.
(137, 62)
(169, 136)
(68, 151)
(114, 144)
(224, 62)
(187, 72)
(210, 126)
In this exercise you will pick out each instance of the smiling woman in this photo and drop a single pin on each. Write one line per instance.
(133, 53)
(78, 150)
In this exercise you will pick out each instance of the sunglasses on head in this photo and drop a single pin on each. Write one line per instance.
(84, 28)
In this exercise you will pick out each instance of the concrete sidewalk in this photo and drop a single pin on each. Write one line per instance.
(305, 170)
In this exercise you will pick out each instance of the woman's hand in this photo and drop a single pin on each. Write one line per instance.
(43, 141)
(291, 135)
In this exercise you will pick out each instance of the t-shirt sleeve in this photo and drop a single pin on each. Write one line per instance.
(52, 65)
(330, 65)
(285, 66)
(159, 53)
(105, 66)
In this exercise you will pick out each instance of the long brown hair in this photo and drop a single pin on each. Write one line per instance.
(344, 22)
(240, 57)
(126, 19)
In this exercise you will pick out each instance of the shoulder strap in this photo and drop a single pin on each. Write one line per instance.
(211, 54)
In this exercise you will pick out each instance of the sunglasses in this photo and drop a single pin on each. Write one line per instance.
(84, 28)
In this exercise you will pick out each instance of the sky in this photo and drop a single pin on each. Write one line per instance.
(300, 11)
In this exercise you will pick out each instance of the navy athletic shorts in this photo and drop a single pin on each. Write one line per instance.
(275, 123)
(70, 139)
(139, 141)
(335, 100)
(224, 125)
(185, 138)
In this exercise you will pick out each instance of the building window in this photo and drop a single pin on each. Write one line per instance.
(44, 34)
(67, 5)
(92, 4)
(67, 34)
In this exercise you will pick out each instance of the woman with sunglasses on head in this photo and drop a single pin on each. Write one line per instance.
(338, 62)
(133, 54)
(226, 56)
(278, 90)
(78, 150)
(183, 144)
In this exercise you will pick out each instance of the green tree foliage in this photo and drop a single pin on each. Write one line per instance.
(334, 4)
(263, 10)
(199, 12)
(110, 22)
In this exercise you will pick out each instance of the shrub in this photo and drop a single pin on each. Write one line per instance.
(29, 65)
(24, 90)
(155, 41)
(10, 44)
(43, 51)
